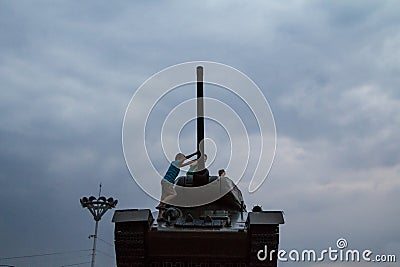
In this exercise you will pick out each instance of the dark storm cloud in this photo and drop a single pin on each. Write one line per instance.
(328, 69)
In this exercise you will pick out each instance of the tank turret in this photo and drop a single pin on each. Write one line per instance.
(218, 233)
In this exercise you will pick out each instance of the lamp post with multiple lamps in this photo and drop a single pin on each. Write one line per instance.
(97, 207)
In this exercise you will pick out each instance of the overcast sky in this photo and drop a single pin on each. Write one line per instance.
(329, 69)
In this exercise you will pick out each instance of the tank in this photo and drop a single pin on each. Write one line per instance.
(220, 233)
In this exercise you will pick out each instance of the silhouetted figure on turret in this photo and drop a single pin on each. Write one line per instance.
(193, 166)
(167, 183)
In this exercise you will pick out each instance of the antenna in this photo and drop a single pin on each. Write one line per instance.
(99, 189)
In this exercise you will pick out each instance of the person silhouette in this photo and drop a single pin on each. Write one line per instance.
(167, 183)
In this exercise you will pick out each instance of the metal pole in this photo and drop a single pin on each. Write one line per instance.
(94, 243)
(200, 119)
(97, 207)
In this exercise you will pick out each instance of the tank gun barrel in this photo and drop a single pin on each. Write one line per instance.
(200, 119)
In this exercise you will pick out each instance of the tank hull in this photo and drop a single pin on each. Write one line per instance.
(140, 241)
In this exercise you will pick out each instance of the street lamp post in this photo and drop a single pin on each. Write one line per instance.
(97, 207)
